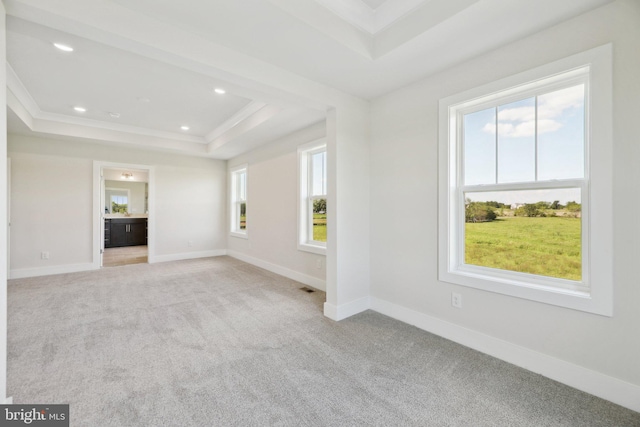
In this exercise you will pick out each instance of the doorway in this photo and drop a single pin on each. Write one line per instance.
(123, 230)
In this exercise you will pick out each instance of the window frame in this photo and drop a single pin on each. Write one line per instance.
(236, 200)
(306, 197)
(594, 293)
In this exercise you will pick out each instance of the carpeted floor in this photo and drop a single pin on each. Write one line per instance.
(217, 342)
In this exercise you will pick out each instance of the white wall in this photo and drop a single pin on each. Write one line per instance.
(272, 202)
(404, 194)
(51, 210)
(52, 199)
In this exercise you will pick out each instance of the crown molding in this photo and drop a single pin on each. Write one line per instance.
(15, 85)
(371, 20)
(234, 120)
(30, 106)
(255, 119)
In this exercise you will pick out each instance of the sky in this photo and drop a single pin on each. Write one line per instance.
(559, 120)
(319, 173)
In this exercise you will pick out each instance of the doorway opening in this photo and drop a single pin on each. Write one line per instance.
(124, 215)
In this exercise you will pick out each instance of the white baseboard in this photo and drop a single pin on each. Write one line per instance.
(340, 312)
(592, 382)
(186, 255)
(314, 282)
(21, 273)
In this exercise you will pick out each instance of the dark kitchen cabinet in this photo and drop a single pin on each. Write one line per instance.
(125, 232)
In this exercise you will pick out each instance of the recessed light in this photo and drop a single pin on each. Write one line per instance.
(184, 127)
(114, 115)
(143, 99)
(63, 47)
(80, 109)
(220, 91)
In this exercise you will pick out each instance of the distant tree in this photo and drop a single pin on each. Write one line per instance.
(531, 210)
(574, 207)
(320, 206)
(556, 205)
(494, 204)
(478, 212)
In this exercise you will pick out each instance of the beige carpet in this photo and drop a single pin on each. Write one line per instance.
(217, 342)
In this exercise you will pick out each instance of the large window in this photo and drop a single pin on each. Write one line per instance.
(525, 185)
(239, 201)
(313, 197)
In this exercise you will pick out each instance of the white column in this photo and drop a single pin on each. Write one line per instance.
(348, 269)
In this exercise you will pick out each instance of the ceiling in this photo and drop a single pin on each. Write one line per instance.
(143, 69)
(373, 4)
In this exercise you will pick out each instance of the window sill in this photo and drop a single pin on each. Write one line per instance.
(306, 247)
(590, 302)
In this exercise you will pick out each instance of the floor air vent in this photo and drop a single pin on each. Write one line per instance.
(308, 290)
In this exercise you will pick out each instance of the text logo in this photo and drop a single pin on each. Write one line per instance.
(34, 415)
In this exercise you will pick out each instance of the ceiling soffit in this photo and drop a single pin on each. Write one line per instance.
(373, 32)
(288, 54)
(43, 84)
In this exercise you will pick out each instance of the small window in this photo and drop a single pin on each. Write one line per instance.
(523, 161)
(239, 201)
(119, 204)
(313, 198)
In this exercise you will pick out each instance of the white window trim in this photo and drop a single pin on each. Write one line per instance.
(595, 294)
(234, 211)
(305, 212)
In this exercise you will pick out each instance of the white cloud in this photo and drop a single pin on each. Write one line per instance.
(553, 105)
(519, 122)
(546, 126)
(517, 114)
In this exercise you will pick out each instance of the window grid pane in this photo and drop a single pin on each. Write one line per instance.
(480, 147)
(242, 186)
(561, 119)
(534, 139)
(318, 220)
(239, 206)
(516, 147)
(526, 231)
(318, 173)
(516, 141)
(316, 205)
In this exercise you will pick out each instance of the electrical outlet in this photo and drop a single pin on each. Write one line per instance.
(318, 264)
(45, 255)
(190, 243)
(456, 300)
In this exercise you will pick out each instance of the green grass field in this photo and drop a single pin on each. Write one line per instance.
(545, 246)
(320, 227)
